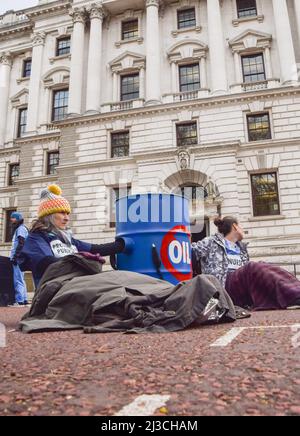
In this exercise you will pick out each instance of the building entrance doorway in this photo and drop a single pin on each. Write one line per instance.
(199, 236)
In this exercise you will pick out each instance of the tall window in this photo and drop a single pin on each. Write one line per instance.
(13, 173)
(259, 127)
(193, 192)
(8, 225)
(265, 194)
(246, 8)
(186, 134)
(189, 78)
(26, 68)
(253, 68)
(186, 18)
(130, 87)
(117, 193)
(22, 122)
(196, 195)
(60, 104)
(63, 46)
(52, 162)
(130, 29)
(120, 144)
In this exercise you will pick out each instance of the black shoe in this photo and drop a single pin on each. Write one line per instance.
(295, 305)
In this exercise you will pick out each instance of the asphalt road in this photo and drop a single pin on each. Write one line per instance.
(255, 371)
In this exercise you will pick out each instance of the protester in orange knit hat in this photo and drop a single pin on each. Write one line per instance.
(51, 239)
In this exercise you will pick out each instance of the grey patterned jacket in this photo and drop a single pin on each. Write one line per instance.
(211, 254)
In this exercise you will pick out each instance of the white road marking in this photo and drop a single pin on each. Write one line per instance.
(233, 333)
(226, 339)
(272, 326)
(144, 405)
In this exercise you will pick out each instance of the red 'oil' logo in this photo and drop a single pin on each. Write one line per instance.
(174, 253)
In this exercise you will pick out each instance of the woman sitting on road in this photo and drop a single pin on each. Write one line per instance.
(49, 238)
(259, 286)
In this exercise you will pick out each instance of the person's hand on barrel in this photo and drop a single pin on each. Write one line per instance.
(14, 261)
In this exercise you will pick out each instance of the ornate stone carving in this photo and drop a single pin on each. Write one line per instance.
(38, 38)
(78, 15)
(6, 59)
(184, 159)
(152, 3)
(96, 10)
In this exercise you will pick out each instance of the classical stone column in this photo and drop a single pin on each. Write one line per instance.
(216, 48)
(237, 67)
(38, 41)
(203, 78)
(153, 92)
(5, 70)
(142, 83)
(76, 76)
(297, 13)
(269, 70)
(285, 43)
(93, 93)
(44, 116)
(115, 87)
(174, 77)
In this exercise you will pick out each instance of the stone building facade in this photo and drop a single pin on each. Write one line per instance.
(155, 96)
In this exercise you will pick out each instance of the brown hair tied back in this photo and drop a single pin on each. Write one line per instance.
(225, 224)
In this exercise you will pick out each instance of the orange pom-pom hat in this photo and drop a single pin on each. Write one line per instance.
(53, 202)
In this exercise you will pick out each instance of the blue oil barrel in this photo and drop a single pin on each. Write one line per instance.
(157, 229)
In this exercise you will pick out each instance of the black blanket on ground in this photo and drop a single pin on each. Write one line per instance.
(75, 294)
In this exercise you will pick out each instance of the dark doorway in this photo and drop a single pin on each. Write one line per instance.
(203, 234)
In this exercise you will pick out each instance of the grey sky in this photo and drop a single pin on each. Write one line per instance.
(16, 4)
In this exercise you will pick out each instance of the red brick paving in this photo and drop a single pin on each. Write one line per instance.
(70, 373)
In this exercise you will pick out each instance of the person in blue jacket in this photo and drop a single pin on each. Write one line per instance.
(18, 241)
(50, 238)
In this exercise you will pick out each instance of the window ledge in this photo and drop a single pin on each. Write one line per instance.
(238, 21)
(177, 32)
(184, 96)
(23, 79)
(48, 128)
(58, 58)
(138, 39)
(260, 141)
(120, 159)
(255, 86)
(122, 105)
(266, 218)
(9, 189)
